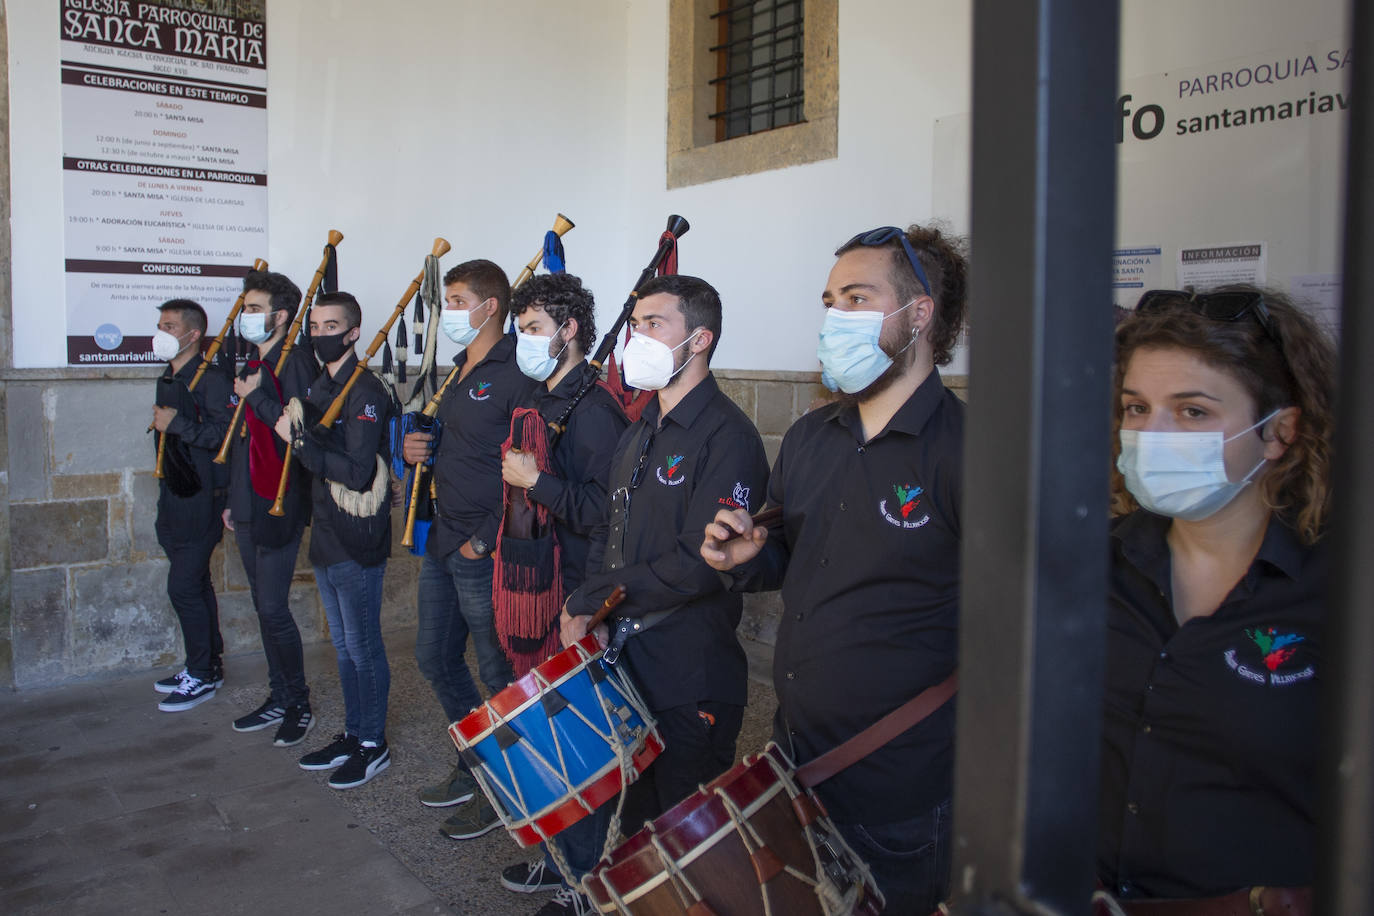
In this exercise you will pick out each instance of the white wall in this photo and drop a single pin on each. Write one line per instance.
(393, 123)
(477, 121)
(766, 240)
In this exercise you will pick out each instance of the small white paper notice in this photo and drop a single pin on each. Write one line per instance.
(1217, 265)
(1320, 295)
(1134, 270)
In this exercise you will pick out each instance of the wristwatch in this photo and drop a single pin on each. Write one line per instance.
(478, 545)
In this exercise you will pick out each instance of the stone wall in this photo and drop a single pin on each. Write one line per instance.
(87, 580)
(82, 578)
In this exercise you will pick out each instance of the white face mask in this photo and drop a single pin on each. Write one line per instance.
(649, 362)
(457, 324)
(1181, 475)
(253, 327)
(532, 354)
(165, 346)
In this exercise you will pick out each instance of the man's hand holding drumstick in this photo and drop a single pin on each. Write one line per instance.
(736, 537)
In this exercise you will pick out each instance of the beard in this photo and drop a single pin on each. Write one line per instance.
(900, 346)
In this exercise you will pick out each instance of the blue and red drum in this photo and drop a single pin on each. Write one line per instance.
(753, 841)
(558, 743)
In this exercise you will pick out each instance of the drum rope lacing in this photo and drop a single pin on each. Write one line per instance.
(832, 899)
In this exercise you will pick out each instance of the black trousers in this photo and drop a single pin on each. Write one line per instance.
(270, 570)
(190, 590)
(695, 751)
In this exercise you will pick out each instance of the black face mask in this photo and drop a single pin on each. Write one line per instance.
(330, 348)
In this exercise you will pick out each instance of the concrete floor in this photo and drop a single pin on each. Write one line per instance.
(109, 806)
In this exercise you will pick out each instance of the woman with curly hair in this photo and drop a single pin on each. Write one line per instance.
(1216, 612)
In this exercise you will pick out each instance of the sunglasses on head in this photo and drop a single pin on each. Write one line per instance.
(1226, 305)
(886, 234)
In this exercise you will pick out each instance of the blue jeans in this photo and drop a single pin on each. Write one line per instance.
(455, 600)
(352, 598)
(910, 859)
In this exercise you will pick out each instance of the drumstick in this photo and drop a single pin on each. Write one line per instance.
(767, 518)
(613, 599)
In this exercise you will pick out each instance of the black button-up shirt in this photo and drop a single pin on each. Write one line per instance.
(1211, 728)
(201, 420)
(704, 455)
(475, 415)
(868, 561)
(295, 379)
(576, 490)
(347, 454)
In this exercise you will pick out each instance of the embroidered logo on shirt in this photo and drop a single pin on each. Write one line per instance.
(668, 472)
(369, 413)
(1275, 649)
(480, 392)
(900, 511)
(739, 499)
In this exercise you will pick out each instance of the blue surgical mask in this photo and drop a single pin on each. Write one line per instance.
(532, 355)
(253, 327)
(851, 358)
(1181, 474)
(457, 324)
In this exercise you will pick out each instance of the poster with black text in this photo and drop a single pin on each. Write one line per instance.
(164, 158)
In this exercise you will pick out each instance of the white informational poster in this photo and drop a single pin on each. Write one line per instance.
(1135, 270)
(164, 157)
(1208, 267)
(1320, 295)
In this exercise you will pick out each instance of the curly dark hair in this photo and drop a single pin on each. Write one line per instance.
(285, 295)
(945, 261)
(1298, 369)
(561, 296)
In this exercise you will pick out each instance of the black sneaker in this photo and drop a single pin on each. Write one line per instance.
(268, 713)
(530, 878)
(192, 692)
(334, 754)
(171, 684)
(364, 763)
(567, 902)
(296, 722)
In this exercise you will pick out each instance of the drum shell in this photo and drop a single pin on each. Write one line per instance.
(525, 780)
(702, 837)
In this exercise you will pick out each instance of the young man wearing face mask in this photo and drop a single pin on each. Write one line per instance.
(268, 545)
(555, 315)
(691, 452)
(350, 537)
(455, 578)
(867, 554)
(188, 525)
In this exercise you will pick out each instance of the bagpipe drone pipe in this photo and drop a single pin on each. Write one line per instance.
(419, 485)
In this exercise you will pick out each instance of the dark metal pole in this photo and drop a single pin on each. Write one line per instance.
(1035, 498)
(1345, 880)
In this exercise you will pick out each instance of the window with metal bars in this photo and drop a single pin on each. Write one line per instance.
(759, 74)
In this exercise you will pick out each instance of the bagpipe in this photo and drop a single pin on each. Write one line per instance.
(527, 585)
(663, 261)
(419, 502)
(265, 449)
(326, 266)
(183, 480)
(360, 517)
